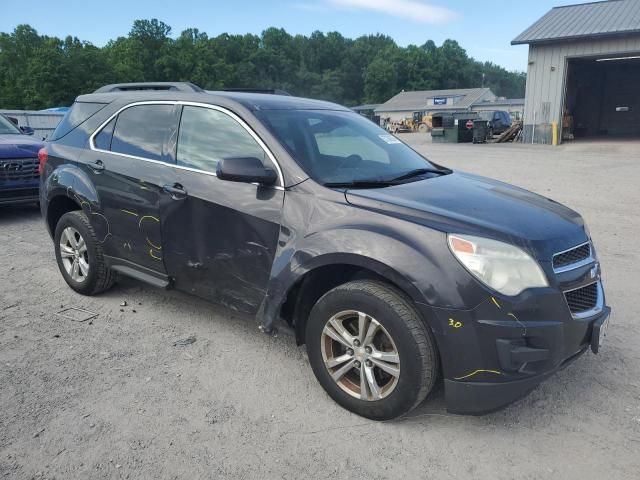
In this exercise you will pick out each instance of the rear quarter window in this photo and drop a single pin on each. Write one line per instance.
(102, 140)
(79, 113)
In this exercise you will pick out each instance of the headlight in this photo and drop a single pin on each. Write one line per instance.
(502, 267)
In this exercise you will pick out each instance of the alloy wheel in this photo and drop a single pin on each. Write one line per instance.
(74, 255)
(360, 355)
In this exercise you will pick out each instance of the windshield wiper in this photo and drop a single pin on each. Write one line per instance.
(360, 184)
(379, 183)
(419, 171)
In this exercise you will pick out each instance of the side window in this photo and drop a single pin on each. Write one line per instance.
(102, 140)
(143, 131)
(207, 136)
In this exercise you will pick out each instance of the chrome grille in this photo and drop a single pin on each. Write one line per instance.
(582, 299)
(12, 169)
(570, 257)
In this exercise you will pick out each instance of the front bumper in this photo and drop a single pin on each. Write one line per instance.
(498, 352)
(479, 398)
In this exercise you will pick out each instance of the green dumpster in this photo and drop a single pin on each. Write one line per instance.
(480, 131)
(453, 127)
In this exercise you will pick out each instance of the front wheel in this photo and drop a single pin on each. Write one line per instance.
(370, 351)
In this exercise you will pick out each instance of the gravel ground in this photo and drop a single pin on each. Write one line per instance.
(113, 397)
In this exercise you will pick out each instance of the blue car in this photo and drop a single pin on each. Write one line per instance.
(19, 177)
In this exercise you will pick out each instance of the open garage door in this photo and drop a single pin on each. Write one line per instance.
(602, 97)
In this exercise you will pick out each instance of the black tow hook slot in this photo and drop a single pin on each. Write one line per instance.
(513, 354)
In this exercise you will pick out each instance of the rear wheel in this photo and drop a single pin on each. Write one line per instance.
(370, 351)
(79, 255)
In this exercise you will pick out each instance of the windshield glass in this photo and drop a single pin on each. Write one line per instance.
(342, 147)
(7, 127)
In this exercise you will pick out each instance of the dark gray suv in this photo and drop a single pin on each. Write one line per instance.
(393, 270)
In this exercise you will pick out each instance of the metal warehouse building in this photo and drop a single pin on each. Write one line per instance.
(583, 76)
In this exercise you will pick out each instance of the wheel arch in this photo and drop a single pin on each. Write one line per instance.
(57, 207)
(66, 189)
(327, 273)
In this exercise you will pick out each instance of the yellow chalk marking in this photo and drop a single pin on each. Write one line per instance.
(130, 213)
(152, 245)
(476, 372)
(148, 216)
(454, 323)
(153, 255)
(496, 302)
(510, 314)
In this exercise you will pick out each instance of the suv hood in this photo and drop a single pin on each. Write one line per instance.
(465, 203)
(19, 146)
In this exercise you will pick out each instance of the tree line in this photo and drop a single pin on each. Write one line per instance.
(39, 71)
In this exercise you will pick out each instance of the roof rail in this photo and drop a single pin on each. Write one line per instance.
(159, 86)
(269, 91)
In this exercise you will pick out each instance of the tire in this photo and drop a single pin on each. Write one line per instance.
(92, 274)
(399, 335)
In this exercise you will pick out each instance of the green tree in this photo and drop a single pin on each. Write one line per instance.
(381, 78)
(38, 71)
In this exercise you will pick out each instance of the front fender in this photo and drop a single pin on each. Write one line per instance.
(414, 257)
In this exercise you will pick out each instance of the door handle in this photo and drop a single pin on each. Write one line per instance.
(176, 191)
(97, 166)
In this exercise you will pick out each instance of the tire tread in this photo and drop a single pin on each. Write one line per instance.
(425, 363)
(398, 301)
(105, 277)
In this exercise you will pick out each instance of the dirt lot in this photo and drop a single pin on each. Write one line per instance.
(114, 398)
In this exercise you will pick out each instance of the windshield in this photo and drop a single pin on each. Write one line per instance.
(335, 147)
(7, 127)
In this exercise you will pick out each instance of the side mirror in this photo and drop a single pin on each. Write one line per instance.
(245, 169)
(27, 130)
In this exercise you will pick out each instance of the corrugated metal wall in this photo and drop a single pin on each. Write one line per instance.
(546, 78)
(44, 123)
